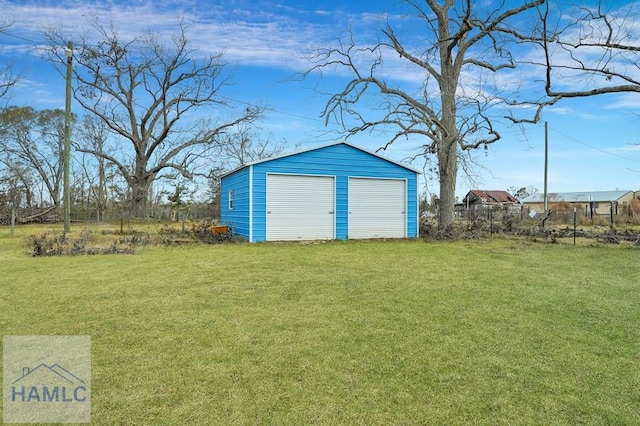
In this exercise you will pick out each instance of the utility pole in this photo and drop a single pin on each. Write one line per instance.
(546, 165)
(67, 140)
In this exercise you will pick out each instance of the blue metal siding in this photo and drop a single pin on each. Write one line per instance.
(341, 161)
(238, 218)
(342, 206)
(412, 206)
(259, 204)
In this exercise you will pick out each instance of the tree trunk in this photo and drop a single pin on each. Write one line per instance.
(140, 186)
(448, 169)
(140, 200)
(101, 193)
(28, 195)
(140, 196)
(448, 147)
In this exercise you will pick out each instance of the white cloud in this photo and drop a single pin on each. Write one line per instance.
(245, 33)
(625, 101)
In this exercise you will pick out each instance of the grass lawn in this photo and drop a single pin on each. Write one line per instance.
(486, 332)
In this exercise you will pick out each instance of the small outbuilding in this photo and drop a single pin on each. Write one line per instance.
(481, 201)
(335, 191)
(480, 197)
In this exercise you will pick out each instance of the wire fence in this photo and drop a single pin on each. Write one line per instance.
(566, 216)
(52, 214)
(498, 215)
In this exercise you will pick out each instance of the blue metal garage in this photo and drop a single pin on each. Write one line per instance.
(335, 191)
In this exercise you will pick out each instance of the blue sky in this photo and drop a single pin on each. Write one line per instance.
(593, 143)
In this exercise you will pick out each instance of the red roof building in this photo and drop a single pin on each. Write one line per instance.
(490, 198)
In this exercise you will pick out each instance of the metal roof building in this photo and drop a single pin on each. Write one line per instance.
(335, 191)
(579, 197)
(478, 196)
(594, 202)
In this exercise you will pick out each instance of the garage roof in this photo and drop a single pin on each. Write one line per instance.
(275, 157)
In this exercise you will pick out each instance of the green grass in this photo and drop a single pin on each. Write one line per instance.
(484, 332)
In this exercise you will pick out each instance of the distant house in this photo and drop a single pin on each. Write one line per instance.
(335, 191)
(479, 197)
(481, 200)
(589, 203)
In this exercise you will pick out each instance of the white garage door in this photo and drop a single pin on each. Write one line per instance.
(377, 208)
(300, 207)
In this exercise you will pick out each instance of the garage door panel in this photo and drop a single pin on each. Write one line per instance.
(300, 207)
(377, 208)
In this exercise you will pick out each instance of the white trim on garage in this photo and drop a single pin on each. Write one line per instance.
(300, 207)
(377, 208)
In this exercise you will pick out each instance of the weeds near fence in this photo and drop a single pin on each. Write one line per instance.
(58, 244)
(108, 241)
(478, 226)
(197, 232)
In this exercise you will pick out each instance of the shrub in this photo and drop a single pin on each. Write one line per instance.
(48, 244)
(57, 243)
(202, 232)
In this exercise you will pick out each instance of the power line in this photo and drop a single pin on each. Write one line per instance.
(278, 111)
(322, 121)
(594, 147)
(21, 38)
(275, 110)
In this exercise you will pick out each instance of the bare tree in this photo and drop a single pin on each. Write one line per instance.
(8, 78)
(244, 146)
(235, 150)
(94, 135)
(32, 144)
(465, 39)
(149, 93)
(592, 53)
(522, 192)
(16, 184)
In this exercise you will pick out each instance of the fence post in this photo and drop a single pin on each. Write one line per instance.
(13, 219)
(490, 221)
(611, 214)
(575, 219)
